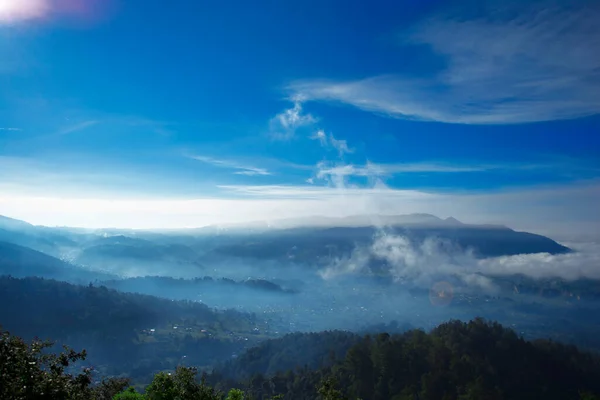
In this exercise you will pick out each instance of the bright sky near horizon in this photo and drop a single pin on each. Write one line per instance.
(187, 113)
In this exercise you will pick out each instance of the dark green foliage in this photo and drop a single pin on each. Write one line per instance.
(181, 385)
(235, 394)
(27, 371)
(328, 390)
(314, 350)
(129, 394)
(456, 361)
(109, 387)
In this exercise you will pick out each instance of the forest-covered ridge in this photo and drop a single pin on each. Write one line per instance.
(456, 360)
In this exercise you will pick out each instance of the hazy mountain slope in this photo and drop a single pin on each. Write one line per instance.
(86, 308)
(14, 224)
(115, 327)
(42, 239)
(19, 261)
(215, 292)
(134, 257)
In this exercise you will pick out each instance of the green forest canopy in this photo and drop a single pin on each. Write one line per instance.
(457, 360)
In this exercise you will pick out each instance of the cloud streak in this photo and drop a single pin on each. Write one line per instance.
(241, 168)
(373, 170)
(329, 141)
(283, 126)
(77, 127)
(514, 64)
(327, 170)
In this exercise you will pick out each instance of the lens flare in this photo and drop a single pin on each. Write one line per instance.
(86, 11)
(441, 294)
(12, 11)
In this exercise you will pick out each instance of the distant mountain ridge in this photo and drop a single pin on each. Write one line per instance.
(20, 262)
(319, 243)
(296, 239)
(363, 220)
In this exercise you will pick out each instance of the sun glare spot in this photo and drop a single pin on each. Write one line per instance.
(21, 10)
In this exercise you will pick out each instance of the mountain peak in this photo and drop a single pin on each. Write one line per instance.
(453, 220)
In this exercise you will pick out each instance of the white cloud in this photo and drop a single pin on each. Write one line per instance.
(428, 261)
(372, 169)
(12, 11)
(78, 127)
(417, 263)
(339, 145)
(321, 192)
(284, 125)
(583, 263)
(517, 63)
(241, 168)
(327, 170)
(320, 136)
(11, 129)
(250, 171)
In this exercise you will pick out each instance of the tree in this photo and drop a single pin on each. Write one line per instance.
(27, 371)
(181, 385)
(235, 394)
(328, 390)
(109, 387)
(129, 394)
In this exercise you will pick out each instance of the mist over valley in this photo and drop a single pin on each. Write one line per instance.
(254, 284)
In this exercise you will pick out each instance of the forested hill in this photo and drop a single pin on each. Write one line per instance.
(311, 350)
(58, 309)
(456, 361)
(125, 332)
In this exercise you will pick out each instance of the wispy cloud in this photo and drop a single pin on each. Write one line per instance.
(428, 261)
(284, 125)
(515, 63)
(11, 129)
(242, 169)
(339, 145)
(307, 192)
(370, 169)
(78, 127)
(321, 136)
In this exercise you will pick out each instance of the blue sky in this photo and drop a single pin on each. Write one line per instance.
(186, 113)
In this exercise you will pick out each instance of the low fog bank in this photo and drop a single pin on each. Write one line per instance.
(420, 284)
(342, 278)
(422, 263)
